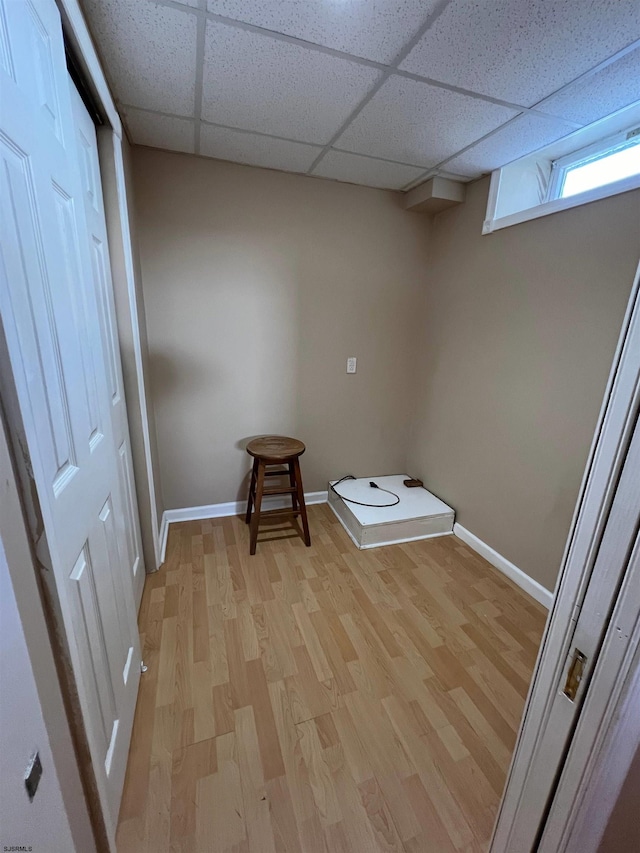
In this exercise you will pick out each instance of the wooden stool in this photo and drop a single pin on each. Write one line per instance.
(267, 452)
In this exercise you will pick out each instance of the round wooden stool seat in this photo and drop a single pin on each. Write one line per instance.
(274, 451)
(275, 447)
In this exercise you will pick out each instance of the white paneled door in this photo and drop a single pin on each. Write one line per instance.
(58, 322)
(128, 522)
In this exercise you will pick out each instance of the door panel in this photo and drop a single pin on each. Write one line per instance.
(54, 297)
(91, 641)
(87, 147)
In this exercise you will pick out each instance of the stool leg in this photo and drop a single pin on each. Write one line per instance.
(252, 485)
(255, 521)
(303, 508)
(292, 483)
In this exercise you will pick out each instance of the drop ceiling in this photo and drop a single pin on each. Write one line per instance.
(384, 93)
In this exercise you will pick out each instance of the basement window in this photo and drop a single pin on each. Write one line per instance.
(596, 166)
(594, 162)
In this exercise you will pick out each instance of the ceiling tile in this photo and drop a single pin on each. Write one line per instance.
(374, 29)
(255, 82)
(522, 50)
(420, 124)
(174, 134)
(452, 176)
(523, 135)
(256, 150)
(356, 169)
(617, 86)
(149, 52)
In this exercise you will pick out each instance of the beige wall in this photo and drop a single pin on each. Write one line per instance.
(518, 337)
(482, 360)
(622, 832)
(257, 286)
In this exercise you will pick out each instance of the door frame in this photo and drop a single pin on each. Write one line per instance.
(608, 732)
(112, 169)
(538, 758)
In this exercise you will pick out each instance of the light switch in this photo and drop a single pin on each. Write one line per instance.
(351, 364)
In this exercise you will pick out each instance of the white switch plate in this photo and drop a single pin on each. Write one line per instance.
(351, 364)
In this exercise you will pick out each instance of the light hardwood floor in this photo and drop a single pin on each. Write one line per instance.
(324, 698)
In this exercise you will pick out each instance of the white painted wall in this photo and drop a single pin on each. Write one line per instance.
(41, 824)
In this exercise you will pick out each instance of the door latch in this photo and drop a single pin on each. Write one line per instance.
(574, 676)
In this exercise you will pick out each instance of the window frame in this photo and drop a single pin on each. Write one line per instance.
(590, 154)
(518, 190)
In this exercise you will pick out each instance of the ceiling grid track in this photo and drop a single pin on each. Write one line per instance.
(302, 142)
(435, 170)
(268, 135)
(387, 69)
(200, 37)
(358, 47)
(432, 18)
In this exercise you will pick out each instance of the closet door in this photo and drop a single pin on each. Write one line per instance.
(63, 376)
(87, 152)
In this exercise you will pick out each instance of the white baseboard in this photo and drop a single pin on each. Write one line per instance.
(162, 538)
(528, 584)
(222, 510)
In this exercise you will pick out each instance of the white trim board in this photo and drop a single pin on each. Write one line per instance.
(223, 510)
(163, 534)
(528, 584)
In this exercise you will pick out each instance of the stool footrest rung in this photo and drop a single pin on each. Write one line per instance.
(273, 512)
(291, 490)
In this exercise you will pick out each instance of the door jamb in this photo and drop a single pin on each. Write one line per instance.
(608, 731)
(531, 779)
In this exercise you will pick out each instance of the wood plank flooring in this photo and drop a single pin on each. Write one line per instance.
(324, 698)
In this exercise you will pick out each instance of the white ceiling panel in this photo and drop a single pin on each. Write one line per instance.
(523, 135)
(258, 83)
(356, 169)
(419, 124)
(256, 150)
(522, 50)
(598, 95)
(174, 134)
(149, 51)
(373, 29)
